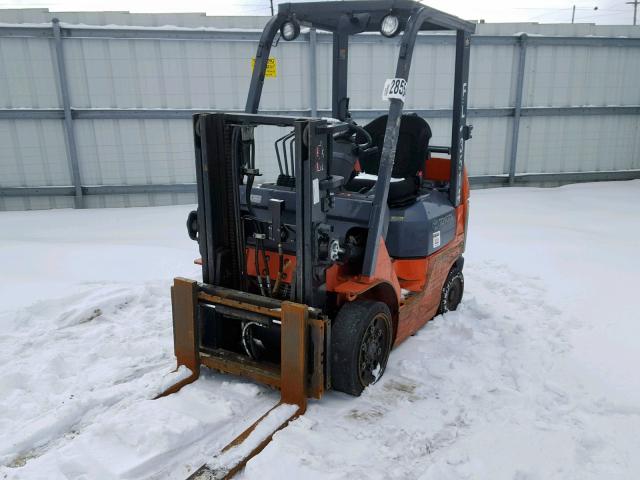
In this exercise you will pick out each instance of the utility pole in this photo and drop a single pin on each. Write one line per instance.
(635, 9)
(271, 2)
(573, 12)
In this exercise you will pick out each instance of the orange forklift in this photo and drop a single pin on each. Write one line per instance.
(309, 281)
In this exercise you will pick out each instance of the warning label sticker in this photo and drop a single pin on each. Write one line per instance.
(316, 191)
(272, 67)
(436, 239)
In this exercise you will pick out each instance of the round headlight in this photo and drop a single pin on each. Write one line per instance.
(290, 30)
(390, 26)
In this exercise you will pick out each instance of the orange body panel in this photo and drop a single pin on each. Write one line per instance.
(437, 168)
(411, 272)
(418, 309)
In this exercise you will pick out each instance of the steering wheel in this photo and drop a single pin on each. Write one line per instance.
(368, 140)
(354, 130)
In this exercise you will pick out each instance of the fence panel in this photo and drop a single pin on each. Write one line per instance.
(132, 93)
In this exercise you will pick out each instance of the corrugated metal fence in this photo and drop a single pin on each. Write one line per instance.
(100, 116)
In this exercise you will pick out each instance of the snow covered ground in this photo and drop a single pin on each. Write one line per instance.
(535, 377)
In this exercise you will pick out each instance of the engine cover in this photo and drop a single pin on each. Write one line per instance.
(422, 228)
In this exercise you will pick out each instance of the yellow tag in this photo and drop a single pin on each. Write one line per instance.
(272, 67)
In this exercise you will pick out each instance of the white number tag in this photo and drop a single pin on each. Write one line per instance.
(394, 88)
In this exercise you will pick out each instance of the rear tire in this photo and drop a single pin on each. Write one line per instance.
(361, 336)
(452, 291)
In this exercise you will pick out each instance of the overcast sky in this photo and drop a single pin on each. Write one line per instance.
(543, 11)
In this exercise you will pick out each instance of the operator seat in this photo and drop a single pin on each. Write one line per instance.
(411, 153)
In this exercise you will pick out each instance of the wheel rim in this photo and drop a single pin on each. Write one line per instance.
(374, 347)
(454, 294)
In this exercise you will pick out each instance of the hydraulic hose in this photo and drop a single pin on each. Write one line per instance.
(247, 340)
(276, 285)
(258, 275)
(266, 268)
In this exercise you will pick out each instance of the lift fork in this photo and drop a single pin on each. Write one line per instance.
(298, 331)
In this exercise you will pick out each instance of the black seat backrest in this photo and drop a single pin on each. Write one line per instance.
(411, 151)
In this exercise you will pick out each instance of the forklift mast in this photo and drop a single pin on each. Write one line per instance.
(221, 240)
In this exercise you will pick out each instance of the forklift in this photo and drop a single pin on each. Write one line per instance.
(308, 282)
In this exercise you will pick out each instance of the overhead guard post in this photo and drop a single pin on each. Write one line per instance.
(459, 131)
(387, 157)
(260, 67)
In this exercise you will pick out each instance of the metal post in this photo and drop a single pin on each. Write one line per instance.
(518, 108)
(459, 130)
(635, 10)
(573, 14)
(339, 101)
(72, 152)
(301, 217)
(260, 67)
(313, 72)
(379, 207)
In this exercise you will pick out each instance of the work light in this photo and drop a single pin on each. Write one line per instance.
(390, 26)
(290, 30)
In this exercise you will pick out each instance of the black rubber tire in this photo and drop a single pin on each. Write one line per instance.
(192, 225)
(452, 291)
(350, 360)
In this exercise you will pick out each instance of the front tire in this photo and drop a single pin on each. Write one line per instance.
(361, 336)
